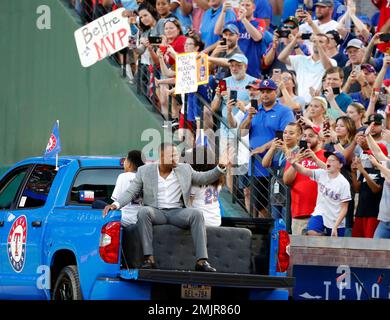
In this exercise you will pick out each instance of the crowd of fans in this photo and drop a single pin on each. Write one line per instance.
(309, 96)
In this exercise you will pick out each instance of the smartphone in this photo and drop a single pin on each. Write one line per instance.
(254, 104)
(326, 125)
(277, 74)
(223, 41)
(233, 95)
(336, 90)
(283, 33)
(357, 68)
(298, 115)
(154, 40)
(303, 144)
(306, 36)
(385, 37)
(222, 85)
(279, 135)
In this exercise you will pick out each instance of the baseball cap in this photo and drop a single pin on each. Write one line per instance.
(316, 129)
(368, 67)
(381, 146)
(325, 3)
(268, 84)
(293, 20)
(239, 58)
(376, 117)
(335, 35)
(254, 84)
(232, 28)
(356, 43)
(338, 155)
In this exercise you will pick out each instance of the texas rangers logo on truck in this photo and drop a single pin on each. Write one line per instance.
(52, 143)
(17, 243)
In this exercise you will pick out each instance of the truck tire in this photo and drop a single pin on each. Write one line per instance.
(67, 285)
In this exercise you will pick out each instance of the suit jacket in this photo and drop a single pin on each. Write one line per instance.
(146, 181)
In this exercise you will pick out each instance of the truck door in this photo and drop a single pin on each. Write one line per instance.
(22, 236)
(10, 186)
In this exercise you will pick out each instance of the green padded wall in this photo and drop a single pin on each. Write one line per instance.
(42, 80)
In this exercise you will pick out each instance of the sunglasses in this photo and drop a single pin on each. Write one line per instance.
(287, 26)
(171, 19)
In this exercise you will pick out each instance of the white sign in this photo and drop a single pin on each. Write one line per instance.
(186, 73)
(102, 37)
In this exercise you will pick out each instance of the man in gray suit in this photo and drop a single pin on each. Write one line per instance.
(165, 187)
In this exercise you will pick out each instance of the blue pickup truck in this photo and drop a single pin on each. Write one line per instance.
(55, 244)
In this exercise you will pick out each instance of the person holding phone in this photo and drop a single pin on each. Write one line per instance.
(226, 48)
(253, 37)
(338, 101)
(286, 141)
(304, 190)
(236, 91)
(262, 125)
(269, 59)
(355, 53)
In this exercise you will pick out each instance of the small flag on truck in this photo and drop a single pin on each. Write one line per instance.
(53, 147)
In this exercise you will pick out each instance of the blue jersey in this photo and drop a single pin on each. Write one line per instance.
(263, 10)
(209, 21)
(253, 50)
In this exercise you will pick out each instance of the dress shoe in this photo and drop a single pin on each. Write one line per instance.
(148, 264)
(204, 267)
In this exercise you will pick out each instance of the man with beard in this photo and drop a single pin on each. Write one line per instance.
(311, 69)
(304, 190)
(237, 82)
(223, 52)
(166, 190)
(262, 124)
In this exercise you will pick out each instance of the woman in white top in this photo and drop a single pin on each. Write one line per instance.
(205, 198)
(131, 165)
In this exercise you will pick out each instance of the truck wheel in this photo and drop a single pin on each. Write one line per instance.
(67, 286)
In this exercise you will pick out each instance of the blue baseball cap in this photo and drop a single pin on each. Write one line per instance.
(239, 58)
(268, 84)
(232, 28)
(338, 155)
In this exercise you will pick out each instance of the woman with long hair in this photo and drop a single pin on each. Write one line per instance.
(357, 113)
(288, 89)
(275, 158)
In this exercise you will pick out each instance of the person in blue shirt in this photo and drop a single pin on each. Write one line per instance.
(264, 11)
(210, 18)
(183, 13)
(251, 30)
(262, 124)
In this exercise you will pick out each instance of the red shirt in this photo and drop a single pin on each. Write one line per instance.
(384, 8)
(178, 45)
(304, 190)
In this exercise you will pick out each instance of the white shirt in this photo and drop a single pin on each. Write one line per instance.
(309, 74)
(331, 193)
(130, 211)
(168, 191)
(205, 198)
(243, 153)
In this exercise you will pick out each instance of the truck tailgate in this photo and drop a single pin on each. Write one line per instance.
(208, 278)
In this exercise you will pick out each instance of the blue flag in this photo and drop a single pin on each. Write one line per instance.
(54, 145)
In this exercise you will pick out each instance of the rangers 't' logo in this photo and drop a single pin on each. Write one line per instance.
(16, 248)
(52, 143)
